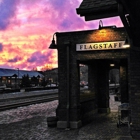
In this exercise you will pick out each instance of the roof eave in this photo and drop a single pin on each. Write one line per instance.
(100, 15)
(96, 13)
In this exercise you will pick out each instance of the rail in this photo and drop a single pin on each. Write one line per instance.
(11, 103)
(8, 101)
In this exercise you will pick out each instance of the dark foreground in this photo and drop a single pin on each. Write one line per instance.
(30, 123)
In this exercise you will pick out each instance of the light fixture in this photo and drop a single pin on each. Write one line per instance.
(104, 27)
(112, 65)
(53, 45)
(100, 24)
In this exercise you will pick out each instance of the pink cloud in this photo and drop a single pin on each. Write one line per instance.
(28, 28)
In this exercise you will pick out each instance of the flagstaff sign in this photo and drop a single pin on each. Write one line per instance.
(101, 46)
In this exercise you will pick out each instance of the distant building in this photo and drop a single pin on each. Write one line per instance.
(14, 76)
(51, 75)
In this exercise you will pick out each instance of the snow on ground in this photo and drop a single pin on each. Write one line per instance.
(26, 112)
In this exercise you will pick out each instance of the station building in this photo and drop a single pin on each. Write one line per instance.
(99, 49)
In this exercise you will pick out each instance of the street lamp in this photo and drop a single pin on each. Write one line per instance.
(53, 45)
(18, 76)
(104, 27)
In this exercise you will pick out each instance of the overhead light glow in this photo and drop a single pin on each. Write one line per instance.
(126, 46)
(112, 65)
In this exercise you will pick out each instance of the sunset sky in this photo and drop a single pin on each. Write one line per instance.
(27, 27)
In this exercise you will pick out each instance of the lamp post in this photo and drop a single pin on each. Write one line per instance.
(15, 79)
(38, 79)
(18, 76)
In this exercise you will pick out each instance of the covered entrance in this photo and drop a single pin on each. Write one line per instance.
(97, 49)
(128, 11)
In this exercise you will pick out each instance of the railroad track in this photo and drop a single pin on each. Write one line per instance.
(27, 98)
(14, 102)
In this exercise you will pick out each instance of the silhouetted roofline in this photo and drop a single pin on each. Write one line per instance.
(11, 72)
(97, 9)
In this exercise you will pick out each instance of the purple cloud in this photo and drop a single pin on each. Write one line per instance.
(37, 57)
(58, 3)
(1, 47)
(16, 59)
(7, 11)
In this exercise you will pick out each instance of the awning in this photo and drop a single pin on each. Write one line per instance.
(98, 9)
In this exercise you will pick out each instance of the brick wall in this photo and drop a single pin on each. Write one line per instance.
(135, 91)
(69, 78)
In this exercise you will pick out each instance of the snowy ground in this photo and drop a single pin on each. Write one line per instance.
(30, 123)
(114, 104)
(27, 112)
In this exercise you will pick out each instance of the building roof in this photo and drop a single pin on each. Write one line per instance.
(11, 72)
(97, 9)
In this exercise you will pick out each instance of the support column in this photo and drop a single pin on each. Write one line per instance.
(75, 108)
(103, 87)
(68, 111)
(92, 77)
(135, 92)
(63, 108)
(124, 81)
(92, 81)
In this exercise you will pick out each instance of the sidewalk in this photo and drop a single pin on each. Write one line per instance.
(30, 123)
